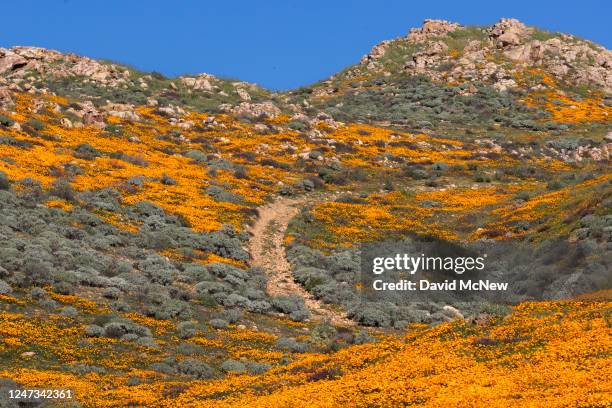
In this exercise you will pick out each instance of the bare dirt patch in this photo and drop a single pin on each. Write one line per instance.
(268, 252)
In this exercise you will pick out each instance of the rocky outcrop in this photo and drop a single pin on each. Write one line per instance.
(495, 56)
(431, 29)
(123, 111)
(253, 110)
(10, 61)
(508, 31)
(530, 53)
(6, 98)
(201, 82)
(428, 57)
(243, 93)
(17, 62)
(377, 52)
(88, 113)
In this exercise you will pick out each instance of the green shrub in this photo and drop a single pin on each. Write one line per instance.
(61, 188)
(256, 368)
(86, 151)
(233, 366)
(35, 124)
(299, 315)
(4, 181)
(121, 327)
(195, 368)
(292, 345)
(298, 125)
(220, 194)
(11, 141)
(288, 304)
(93, 330)
(218, 323)
(6, 121)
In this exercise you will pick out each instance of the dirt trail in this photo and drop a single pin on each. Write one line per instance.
(268, 252)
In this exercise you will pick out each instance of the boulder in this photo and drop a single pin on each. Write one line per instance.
(243, 94)
(253, 110)
(508, 32)
(201, 82)
(6, 98)
(376, 52)
(431, 29)
(10, 61)
(530, 53)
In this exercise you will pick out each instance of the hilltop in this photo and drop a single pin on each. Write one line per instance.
(455, 78)
(196, 240)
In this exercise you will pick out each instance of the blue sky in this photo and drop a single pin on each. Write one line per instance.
(278, 44)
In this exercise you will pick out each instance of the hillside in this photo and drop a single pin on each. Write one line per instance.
(506, 74)
(195, 241)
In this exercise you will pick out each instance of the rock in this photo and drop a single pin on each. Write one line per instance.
(472, 46)
(10, 61)
(66, 123)
(531, 53)
(504, 84)
(508, 38)
(5, 288)
(376, 52)
(6, 98)
(261, 128)
(185, 124)
(253, 110)
(508, 31)
(453, 311)
(559, 69)
(431, 29)
(171, 111)
(55, 64)
(429, 56)
(91, 116)
(324, 116)
(482, 318)
(28, 354)
(200, 83)
(123, 111)
(243, 94)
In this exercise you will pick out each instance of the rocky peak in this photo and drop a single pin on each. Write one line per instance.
(508, 31)
(19, 65)
(431, 29)
(495, 55)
